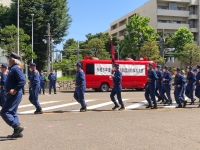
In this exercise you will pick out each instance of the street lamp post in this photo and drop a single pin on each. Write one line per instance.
(32, 37)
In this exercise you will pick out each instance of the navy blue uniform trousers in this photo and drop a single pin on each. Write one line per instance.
(34, 95)
(189, 91)
(116, 90)
(9, 109)
(3, 96)
(150, 93)
(79, 95)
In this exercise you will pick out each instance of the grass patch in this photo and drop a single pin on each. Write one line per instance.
(66, 78)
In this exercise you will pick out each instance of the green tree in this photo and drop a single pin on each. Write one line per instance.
(190, 55)
(182, 37)
(105, 38)
(151, 51)
(137, 33)
(45, 11)
(95, 48)
(8, 38)
(4, 14)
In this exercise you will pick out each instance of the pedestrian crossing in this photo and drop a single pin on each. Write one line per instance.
(92, 105)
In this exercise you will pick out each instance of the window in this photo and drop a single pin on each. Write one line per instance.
(89, 68)
(173, 6)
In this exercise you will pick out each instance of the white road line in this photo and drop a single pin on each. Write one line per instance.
(53, 107)
(46, 94)
(96, 106)
(28, 105)
(136, 105)
(174, 104)
(102, 104)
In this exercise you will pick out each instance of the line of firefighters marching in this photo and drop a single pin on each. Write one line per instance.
(160, 84)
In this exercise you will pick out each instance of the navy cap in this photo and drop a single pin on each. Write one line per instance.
(158, 66)
(195, 69)
(150, 64)
(14, 55)
(166, 67)
(116, 65)
(178, 69)
(4, 66)
(32, 64)
(198, 66)
(78, 64)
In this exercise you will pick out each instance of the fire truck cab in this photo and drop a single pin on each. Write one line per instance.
(98, 73)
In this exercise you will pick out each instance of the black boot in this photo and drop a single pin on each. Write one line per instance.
(122, 107)
(166, 102)
(179, 105)
(83, 109)
(150, 105)
(116, 106)
(170, 103)
(38, 111)
(184, 104)
(191, 103)
(17, 131)
(154, 106)
(159, 98)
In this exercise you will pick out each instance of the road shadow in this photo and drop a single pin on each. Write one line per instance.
(6, 138)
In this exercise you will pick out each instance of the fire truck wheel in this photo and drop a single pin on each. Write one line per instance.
(104, 87)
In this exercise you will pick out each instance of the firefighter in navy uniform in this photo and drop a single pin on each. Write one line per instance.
(13, 86)
(52, 81)
(179, 83)
(197, 90)
(117, 88)
(158, 82)
(35, 88)
(190, 79)
(151, 87)
(166, 85)
(4, 74)
(80, 87)
(42, 82)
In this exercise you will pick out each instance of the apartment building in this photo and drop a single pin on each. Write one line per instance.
(5, 2)
(169, 15)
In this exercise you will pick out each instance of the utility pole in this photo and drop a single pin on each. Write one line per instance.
(78, 53)
(48, 48)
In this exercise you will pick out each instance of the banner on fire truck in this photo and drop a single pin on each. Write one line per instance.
(126, 69)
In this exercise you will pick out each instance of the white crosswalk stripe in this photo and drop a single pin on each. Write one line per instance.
(136, 105)
(29, 105)
(96, 105)
(53, 107)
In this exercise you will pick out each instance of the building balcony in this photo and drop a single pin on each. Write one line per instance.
(194, 2)
(179, 1)
(173, 13)
(195, 30)
(171, 26)
(193, 16)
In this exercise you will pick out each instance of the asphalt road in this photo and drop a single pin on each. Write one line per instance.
(62, 127)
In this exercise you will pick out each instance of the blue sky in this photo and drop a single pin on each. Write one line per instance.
(94, 16)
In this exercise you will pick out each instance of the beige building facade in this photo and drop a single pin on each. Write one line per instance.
(167, 15)
(5, 2)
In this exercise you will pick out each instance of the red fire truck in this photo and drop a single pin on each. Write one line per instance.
(98, 72)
